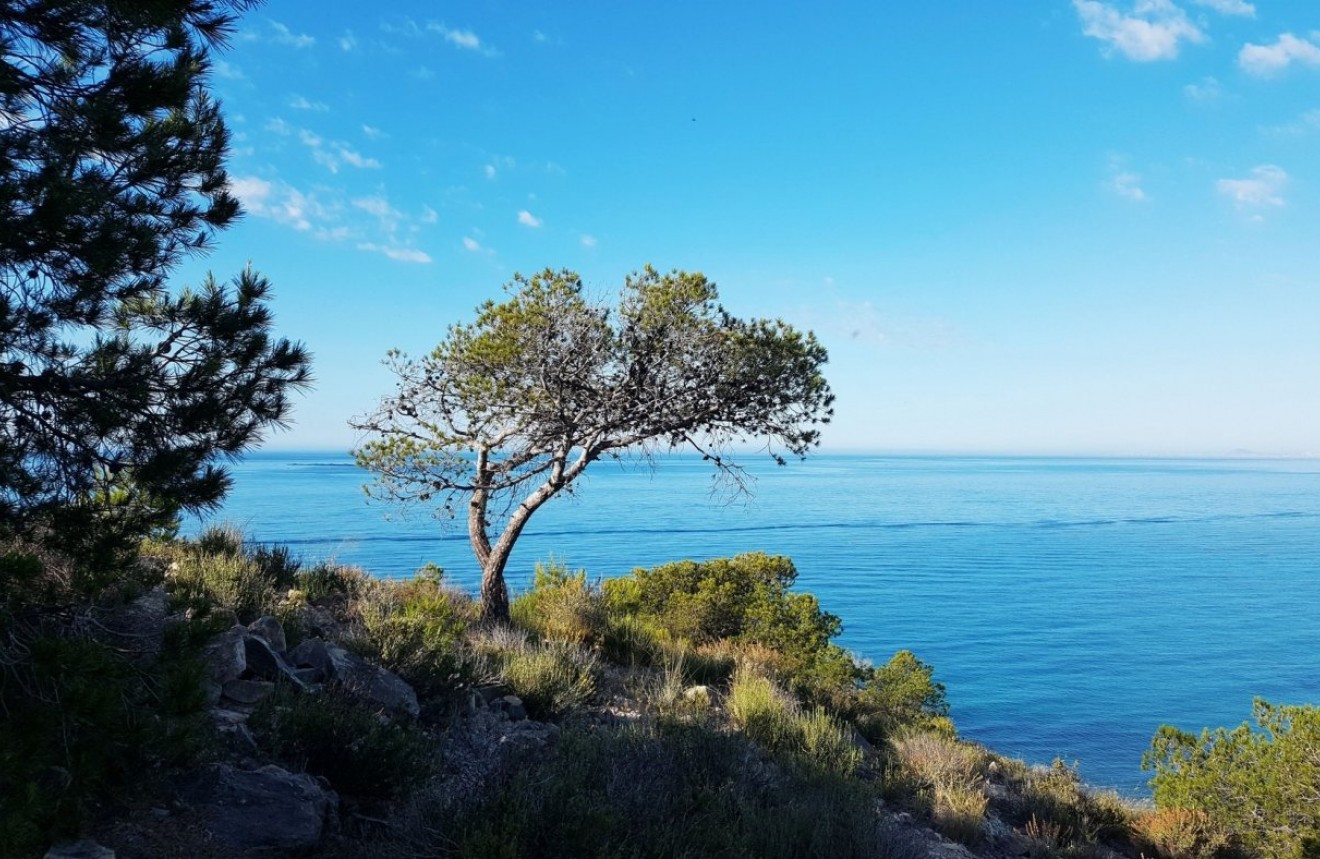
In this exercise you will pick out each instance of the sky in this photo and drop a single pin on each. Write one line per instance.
(1042, 227)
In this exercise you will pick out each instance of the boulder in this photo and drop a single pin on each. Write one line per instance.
(267, 664)
(268, 629)
(270, 809)
(247, 691)
(513, 707)
(225, 657)
(357, 676)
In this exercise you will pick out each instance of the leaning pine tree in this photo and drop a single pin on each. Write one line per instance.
(510, 409)
(118, 395)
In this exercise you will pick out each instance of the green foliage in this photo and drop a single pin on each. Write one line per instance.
(901, 694)
(81, 722)
(1260, 785)
(514, 406)
(665, 790)
(745, 598)
(117, 397)
(561, 606)
(552, 680)
(774, 720)
(415, 628)
(347, 742)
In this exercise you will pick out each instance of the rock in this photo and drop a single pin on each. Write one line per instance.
(268, 629)
(312, 653)
(267, 664)
(697, 695)
(491, 693)
(84, 849)
(247, 691)
(267, 809)
(225, 657)
(513, 705)
(357, 676)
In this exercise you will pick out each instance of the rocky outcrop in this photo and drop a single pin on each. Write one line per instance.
(270, 809)
(372, 683)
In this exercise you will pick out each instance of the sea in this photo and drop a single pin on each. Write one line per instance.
(1069, 606)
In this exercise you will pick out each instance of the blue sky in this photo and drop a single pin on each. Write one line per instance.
(1046, 226)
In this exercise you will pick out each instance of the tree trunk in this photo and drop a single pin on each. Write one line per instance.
(494, 592)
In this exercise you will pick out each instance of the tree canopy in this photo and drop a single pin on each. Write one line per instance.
(511, 408)
(111, 173)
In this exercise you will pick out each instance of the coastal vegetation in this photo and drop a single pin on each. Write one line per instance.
(510, 409)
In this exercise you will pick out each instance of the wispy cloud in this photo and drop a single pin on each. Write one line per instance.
(1229, 7)
(429, 215)
(1305, 124)
(1128, 186)
(348, 42)
(283, 203)
(334, 154)
(527, 219)
(465, 39)
(1263, 189)
(372, 132)
(400, 254)
(285, 36)
(1268, 60)
(279, 126)
(227, 70)
(1151, 30)
(472, 244)
(490, 171)
(1206, 90)
(300, 103)
(588, 241)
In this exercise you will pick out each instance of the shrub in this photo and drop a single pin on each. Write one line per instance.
(552, 680)
(947, 777)
(416, 629)
(561, 606)
(745, 598)
(662, 790)
(1258, 784)
(202, 581)
(901, 694)
(1180, 833)
(774, 720)
(347, 742)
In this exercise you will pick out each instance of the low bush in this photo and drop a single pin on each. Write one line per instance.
(347, 742)
(945, 778)
(663, 790)
(1180, 833)
(416, 629)
(552, 680)
(561, 606)
(902, 694)
(774, 720)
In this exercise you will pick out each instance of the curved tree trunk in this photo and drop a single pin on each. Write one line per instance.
(494, 592)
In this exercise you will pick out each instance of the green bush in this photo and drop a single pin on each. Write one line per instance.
(746, 599)
(561, 606)
(416, 628)
(1261, 785)
(552, 680)
(774, 720)
(901, 694)
(347, 742)
(663, 790)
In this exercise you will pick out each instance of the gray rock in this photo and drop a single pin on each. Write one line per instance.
(268, 664)
(514, 707)
(312, 653)
(268, 629)
(84, 849)
(357, 676)
(225, 657)
(267, 809)
(247, 691)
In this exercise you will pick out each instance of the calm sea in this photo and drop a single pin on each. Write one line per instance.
(1070, 606)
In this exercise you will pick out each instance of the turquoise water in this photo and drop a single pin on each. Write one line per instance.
(1069, 605)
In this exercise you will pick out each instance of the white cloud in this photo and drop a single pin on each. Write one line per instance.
(353, 158)
(1152, 30)
(300, 103)
(228, 71)
(472, 244)
(1128, 186)
(348, 41)
(280, 202)
(1304, 124)
(1267, 60)
(378, 206)
(400, 254)
(490, 171)
(372, 132)
(335, 154)
(527, 219)
(429, 215)
(1229, 7)
(1262, 189)
(1207, 90)
(285, 36)
(279, 126)
(588, 241)
(465, 39)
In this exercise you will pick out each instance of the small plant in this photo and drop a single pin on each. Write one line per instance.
(1180, 833)
(552, 680)
(561, 606)
(950, 776)
(901, 694)
(335, 736)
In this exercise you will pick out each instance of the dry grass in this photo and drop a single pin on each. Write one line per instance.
(1179, 833)
(951, 775)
